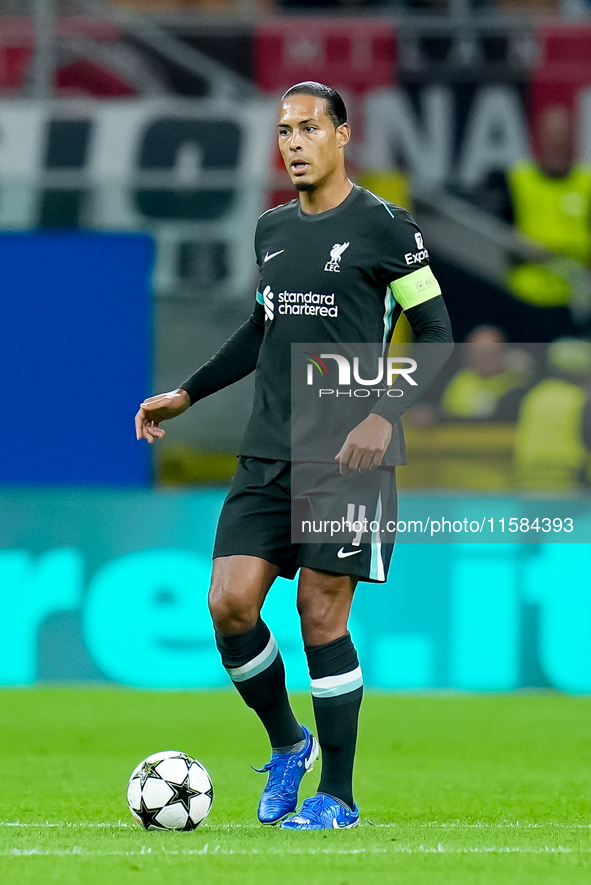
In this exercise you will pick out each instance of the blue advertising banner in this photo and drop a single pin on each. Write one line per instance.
(112, 585)
(75, 327)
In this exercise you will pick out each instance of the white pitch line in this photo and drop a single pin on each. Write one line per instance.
(64, 825)
(107, 825)
(77, 851)
(453, 825)
(516, 825)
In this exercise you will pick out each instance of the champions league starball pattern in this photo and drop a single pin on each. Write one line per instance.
(170, 791)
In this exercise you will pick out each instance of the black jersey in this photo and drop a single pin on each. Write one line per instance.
(341, 276)
(338, 276)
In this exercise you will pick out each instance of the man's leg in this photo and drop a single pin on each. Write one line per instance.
(249, 653)
(324, 603)
(251, 657)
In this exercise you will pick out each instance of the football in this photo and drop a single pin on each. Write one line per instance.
(170, 791)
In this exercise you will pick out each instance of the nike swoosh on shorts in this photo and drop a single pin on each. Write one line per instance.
(342, 555)
(272, 255)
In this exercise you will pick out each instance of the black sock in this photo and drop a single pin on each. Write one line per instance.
(337, 689)
(255, 666)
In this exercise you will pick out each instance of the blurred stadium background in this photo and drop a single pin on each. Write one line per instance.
(136, 152)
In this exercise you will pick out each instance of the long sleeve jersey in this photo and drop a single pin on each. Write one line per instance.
(337, 277)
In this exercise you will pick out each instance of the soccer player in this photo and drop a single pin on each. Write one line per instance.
(361, 261)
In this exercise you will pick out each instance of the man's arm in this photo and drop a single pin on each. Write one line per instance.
(366, 444)
(432, 348)
(233, 361)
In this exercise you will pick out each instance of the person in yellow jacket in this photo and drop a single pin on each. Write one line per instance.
(553, 438)
(491, 382)
(549, 201)
(552, 205)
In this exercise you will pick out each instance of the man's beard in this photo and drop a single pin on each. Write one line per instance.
(302, 186)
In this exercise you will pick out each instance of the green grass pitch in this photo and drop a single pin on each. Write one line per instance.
(453, 789)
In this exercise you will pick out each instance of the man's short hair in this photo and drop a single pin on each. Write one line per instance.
(335, 106)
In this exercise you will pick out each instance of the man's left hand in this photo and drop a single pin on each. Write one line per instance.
(366, 445)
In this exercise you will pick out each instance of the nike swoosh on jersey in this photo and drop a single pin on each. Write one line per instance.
(342, 555)
(272, 255)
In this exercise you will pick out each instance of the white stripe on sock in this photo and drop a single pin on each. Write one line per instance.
(332, 686)
(257, 665)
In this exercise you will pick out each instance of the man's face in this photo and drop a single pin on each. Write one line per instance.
(311, 147)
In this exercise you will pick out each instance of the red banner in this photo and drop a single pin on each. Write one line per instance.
(352, 54)
(564, 67)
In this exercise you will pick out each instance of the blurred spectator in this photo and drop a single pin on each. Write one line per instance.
(487, 383)
(554, 428)
(549, 200)
(491, 383)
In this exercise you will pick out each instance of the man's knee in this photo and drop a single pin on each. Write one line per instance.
(323, 603)
(238, 589)
(311, 605)
(231, 610)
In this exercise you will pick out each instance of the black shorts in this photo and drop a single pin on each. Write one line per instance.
(310, 515)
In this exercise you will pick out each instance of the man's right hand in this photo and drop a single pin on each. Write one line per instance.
(159, 408)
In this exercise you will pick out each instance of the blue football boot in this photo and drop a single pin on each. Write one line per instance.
(286, 770)
(322, 812)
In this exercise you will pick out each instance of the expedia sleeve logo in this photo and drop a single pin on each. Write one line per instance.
(417, 257)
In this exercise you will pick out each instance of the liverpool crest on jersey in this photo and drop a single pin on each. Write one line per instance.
(336, 254)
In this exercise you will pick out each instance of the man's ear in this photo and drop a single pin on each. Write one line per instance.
(343, 134)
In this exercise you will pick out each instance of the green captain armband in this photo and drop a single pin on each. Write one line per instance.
(415, 288)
